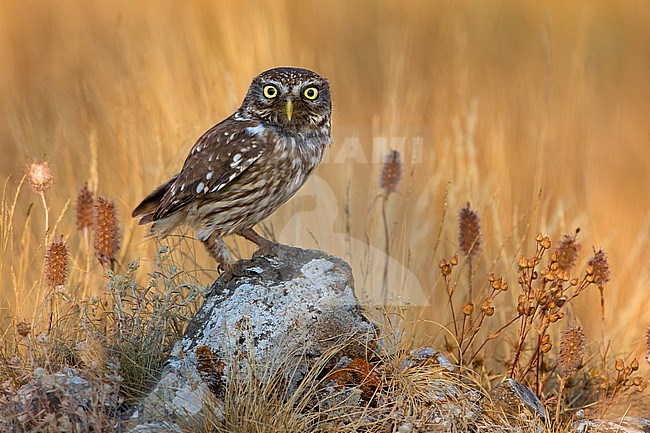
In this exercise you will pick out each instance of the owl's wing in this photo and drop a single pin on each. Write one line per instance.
(218, 157)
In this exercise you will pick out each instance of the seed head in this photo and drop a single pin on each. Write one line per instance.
(619, 365)
(84, 209)
(106, 226)
(39, 176)
(572, 347)
(57, 263)
(567, 251)
(600, 266)
(391, 173)
(469, 232)
(23, 329)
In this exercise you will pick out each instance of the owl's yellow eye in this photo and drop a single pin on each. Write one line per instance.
(270, 91)
(311, 93)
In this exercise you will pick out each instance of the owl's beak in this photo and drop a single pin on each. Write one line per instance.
(289, 109)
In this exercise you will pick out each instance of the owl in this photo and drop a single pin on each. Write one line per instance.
(245, 167)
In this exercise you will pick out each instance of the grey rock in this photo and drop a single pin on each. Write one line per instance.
(64, 398)
(338, 400)
(424, 355)
(515, 400)
(162, 427)
(623, 425)
(279, 312)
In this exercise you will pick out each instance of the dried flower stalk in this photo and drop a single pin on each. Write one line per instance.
(84, 209)
(391, 172)
(57, 263)
(599, 268)
(469, 232)
(572, 348)
(567, 251)
(106, 226)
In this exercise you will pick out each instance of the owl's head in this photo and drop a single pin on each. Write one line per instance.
(293, 98)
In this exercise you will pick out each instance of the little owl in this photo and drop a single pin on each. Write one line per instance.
(245, 167)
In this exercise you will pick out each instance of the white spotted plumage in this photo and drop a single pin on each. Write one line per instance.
(242, 169)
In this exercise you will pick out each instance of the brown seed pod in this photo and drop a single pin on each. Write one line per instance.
(106, 226)
(57, 263)
(23, 329)
(391, 172)
(84, 209)
(567, 251)
(469, 232)
(572, 348)
(620, 365)
(599, 268)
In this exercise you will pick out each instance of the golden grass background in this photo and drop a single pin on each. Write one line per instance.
(507, 98)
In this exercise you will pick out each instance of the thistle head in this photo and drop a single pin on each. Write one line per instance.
(598, 268)
(567, 251)
(106, 225)
(469, 232)
(57, 263)
(391, 172)
(572, 348)
(39, 176)
(84, 208)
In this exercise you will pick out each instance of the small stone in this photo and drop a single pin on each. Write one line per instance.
(514, 399)
(424, 355)
(626, 424)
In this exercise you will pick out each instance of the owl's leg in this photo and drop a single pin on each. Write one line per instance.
(218, 251)
(267, 247)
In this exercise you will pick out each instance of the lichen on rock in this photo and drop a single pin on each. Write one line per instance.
(282, 312)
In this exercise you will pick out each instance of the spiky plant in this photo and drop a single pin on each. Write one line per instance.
(84, 208)
(567, 251)
(106, 225)
(57, 264)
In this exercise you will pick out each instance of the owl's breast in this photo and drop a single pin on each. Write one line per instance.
(302, 148)
(282, 169)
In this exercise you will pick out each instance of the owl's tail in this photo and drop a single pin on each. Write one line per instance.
(150, 204)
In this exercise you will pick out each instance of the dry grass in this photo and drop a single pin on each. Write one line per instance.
(488, 103)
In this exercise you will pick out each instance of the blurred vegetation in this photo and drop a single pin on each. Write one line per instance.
(534, 112)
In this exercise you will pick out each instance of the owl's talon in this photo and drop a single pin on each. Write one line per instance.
(237, 269)
(225, 273)
(228, 271)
